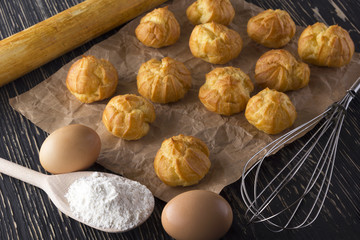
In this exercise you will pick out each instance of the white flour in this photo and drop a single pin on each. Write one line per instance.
(110, 202)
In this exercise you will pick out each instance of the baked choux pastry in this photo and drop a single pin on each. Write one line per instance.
(226, 90)
(91, 79)
(204, 11)
(215, 43)
(271, 28)
(270, 111)
(163, 81)
(128, 116)
(182, 161)
(158, 28)
(325, 46)
(279, 70)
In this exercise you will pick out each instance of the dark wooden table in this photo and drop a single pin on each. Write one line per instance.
(27, 213)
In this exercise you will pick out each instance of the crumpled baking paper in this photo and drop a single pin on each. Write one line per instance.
(231, 140)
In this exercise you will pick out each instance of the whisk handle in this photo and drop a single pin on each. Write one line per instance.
(355, 87)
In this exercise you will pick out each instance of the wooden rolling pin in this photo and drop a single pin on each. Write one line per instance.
(53, 37)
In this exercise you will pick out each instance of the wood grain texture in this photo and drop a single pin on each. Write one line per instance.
(51, 38)
(27, 213)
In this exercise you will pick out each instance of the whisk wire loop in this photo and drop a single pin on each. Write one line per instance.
(276, 144)
(282, 184)
(301, 208)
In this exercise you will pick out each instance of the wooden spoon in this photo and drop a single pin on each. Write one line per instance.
(55, 186)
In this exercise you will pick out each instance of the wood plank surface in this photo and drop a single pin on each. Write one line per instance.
(27, 213)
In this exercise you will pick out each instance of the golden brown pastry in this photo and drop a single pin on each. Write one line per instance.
(128, 116)
(215, 43)
(204, 11)
(158, 28)
(279, 70)
(182, 161)
(163, 81)
(271, 28)
(325, 46)
(270, 111)
(226, 90)
(90, 79)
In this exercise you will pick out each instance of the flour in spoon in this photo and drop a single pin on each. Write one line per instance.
(110, 201)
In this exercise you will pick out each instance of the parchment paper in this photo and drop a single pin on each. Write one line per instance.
(231, 140)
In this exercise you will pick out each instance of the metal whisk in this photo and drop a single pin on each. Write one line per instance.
(307, 179)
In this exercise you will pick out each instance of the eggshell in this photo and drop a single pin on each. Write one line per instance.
(71, 148)
(197, 215)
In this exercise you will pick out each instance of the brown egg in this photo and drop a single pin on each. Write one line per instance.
(197, 215)
(68, 149)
